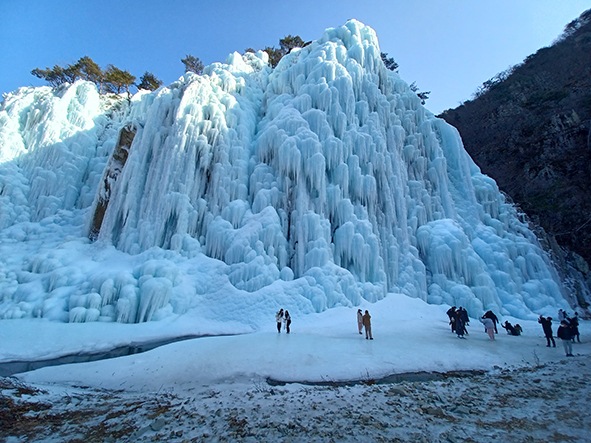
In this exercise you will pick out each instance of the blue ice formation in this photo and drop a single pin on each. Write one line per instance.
(319, 183)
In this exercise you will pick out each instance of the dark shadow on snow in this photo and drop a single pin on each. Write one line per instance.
(16, 367)
(390, 379)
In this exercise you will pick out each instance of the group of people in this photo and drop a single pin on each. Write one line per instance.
(283, 319)
(568, 331)
(458, 319)
(572, 323)
(364, 321)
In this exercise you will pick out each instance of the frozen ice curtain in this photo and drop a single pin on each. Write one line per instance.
(324, 179)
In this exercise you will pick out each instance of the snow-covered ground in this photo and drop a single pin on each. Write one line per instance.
(217, 389)
(530, 404)
(410, 336)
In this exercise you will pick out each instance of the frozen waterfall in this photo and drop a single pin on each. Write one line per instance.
(319, 183)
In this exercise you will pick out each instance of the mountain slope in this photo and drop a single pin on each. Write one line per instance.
(530, 131)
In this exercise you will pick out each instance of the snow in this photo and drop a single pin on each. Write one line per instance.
(410, 336)
(193, 388)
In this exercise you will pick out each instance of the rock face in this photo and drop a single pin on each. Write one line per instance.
(112, 171)
(529, 129)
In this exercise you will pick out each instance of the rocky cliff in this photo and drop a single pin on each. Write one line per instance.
(529, 129)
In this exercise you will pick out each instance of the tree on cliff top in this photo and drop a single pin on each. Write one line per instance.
(149, 82)
(193, 64)
(286, 44)
(117, 79)
(91, 72)
(85, 68)
(423, 95)
(389, 61)
(289, 42)
(54, 76)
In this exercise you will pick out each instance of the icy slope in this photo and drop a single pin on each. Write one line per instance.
(317, 184)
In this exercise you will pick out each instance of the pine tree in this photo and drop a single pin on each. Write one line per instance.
(85, 68)
(54, 76)
(57, 75)
(289, 42)
(149, 81)
(423, 95)
(275, 55)
(91, 72)
(389, 62)
(116, 80)
(286, 44)
(193, 64)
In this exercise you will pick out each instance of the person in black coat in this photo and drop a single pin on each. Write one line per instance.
(460, 324)
(574, 325)
(564, 333)
(512, 330)
(464, 315)
(493, 317)
(287, 321)
(547, 327)
(451, 313)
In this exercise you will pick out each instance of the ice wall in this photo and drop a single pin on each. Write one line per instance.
(324, 179)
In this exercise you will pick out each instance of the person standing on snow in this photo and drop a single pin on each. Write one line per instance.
(451, 313)
(279, 319)
(574, 324)
(359, 320)
(287, 320)
(547, 327)
(460, 324)
(465, 317)
(564, 333)
(489, 326)
(493, 317)
(367, 323)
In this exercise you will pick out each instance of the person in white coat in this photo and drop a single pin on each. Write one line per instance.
(279, 319)
(489, 327)
(360, 320)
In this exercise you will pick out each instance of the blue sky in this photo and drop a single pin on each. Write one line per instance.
(448, 47)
